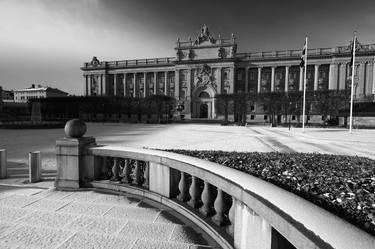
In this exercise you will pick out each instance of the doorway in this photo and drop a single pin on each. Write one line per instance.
(203, 111)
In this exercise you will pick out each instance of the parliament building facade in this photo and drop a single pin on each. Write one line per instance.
(209, 66)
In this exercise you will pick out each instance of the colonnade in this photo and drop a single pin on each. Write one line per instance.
(135, 84)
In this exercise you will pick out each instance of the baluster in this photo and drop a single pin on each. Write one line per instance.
(137, 173)
(126, 171)
(104, 173)
(207, 200)
(194, 192)
(147, 175)
(182, 186)
(115, 170)
(220, 206)
(230, 227)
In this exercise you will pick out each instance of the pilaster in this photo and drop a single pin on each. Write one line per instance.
(166, 83)
(219, 81)
(145, 90)
(177, 84)
(286, 78)
(272, 79)
(361, 80)
(301, 78)
(155, 83)
(115, 78)
(373, 77)
(316, 75)
(369, 78)
(332, 80)
(124, 83)
(342, 76)
(86, 85)
(247, 79)
(259, 78)
(135, 90)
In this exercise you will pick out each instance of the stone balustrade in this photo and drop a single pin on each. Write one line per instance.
(236, 209)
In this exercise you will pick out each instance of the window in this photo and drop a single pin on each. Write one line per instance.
(265, 107)
(226, 76)
(252, 117)
(239, 76)
(265, 117)
(204, 95)
(293, 117)
(308, 117)
(252, 108)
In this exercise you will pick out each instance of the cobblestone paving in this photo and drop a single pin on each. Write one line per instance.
(37, 218)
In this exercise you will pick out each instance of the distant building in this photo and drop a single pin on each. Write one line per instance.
(207, 66)
(7, 96)
(37, 92)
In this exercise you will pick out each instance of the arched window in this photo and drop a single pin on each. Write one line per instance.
(204, 95)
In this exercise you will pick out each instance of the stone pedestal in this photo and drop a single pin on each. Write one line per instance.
(75, 165)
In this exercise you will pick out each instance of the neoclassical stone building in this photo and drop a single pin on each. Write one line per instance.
(211, 65)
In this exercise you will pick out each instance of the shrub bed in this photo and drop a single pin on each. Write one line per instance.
(343, 185)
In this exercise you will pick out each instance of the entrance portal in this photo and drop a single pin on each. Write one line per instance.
(203, 113)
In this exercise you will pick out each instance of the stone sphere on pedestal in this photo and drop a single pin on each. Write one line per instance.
(75, 128)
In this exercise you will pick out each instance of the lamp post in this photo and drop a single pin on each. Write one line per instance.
(290, 113)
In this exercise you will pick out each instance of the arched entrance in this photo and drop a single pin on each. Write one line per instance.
(203, 102)
(203, 112)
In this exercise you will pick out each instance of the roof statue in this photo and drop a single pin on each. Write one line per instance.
(204, 36)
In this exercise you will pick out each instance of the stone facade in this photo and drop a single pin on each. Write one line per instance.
(208, 66)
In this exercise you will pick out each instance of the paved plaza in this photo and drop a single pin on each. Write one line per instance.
(40, 218)
(189, 136)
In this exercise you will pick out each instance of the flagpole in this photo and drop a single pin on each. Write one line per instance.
(352, 87)
(304, 90)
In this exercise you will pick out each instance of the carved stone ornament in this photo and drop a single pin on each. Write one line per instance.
(191, 54)
(358, 46)
(204, 76)
(204, 36)
(179, 55)
(221, 53)
(95, 61)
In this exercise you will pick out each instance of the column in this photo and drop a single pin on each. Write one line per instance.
(100, 85)
(361, 80)
(301, 76)
(104, 89)
(369, 78)
(286, 78)
(316, 75)
(332, 80)
(373, 77)
(165, 83)
(272, 79)
(177, 84)
(114, 84)
(259, 77)
(135, 94)
(155, 83)
(86, 85)
(219, 81)
(144, 84)
(232, 71)
(247, 79)
(342, 76)
(124, 83)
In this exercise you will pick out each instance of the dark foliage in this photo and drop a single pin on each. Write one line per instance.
(343, 185)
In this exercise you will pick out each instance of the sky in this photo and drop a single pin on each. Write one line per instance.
(47, 41)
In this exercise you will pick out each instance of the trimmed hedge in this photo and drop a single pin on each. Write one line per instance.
(343, 185)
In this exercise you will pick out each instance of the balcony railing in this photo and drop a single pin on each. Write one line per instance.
(236, 209)
(297, 53)
(132, 63)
